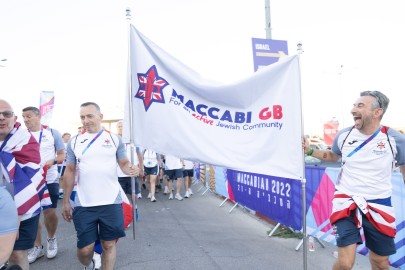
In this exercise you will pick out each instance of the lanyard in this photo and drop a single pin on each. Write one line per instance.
(92, 141)
(364, 143)
(40, 135)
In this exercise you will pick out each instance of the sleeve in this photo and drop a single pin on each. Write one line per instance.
(70, 155)
(57, 140)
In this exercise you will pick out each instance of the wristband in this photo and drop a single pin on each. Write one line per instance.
(310, 151)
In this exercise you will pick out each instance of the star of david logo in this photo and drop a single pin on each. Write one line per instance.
(380, 145)
(107, 141)
(150, 87)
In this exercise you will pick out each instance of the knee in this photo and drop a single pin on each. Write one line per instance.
(344, 264)
(108, 245)
(380, 262)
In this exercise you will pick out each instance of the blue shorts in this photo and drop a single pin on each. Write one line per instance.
(150, 171)
(27, 233)
(188, 173)
(8, 212)
(347, 233)
(53, 190)
(105, 222)
(125, 183)
(174, 174)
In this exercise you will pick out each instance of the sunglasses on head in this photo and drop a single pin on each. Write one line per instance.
(7, 114)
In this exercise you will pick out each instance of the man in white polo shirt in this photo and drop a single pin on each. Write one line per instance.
(91, 163)
(52, 152)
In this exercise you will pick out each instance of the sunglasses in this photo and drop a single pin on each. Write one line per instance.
(7, 114)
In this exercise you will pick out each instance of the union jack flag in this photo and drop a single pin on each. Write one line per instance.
(20, 159)
(381, 216)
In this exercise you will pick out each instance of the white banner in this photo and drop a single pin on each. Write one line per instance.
(253, 125)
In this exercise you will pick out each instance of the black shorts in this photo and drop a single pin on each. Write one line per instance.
(188, 173)
(53, 190)
(150, 171)
(174, 174)
(27, 233)
(347, 233)
(105, 222)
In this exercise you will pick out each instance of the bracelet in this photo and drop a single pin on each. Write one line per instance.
(310, 151)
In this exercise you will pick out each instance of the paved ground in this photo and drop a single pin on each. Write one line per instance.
(197, 234)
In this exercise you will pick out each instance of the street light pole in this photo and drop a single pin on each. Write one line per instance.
(268, 20)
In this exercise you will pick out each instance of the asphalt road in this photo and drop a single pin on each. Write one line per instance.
(197, 234)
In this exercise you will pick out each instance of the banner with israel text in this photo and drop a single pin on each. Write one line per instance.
(253, 125)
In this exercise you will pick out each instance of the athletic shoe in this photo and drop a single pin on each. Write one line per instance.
(171, 196)
(153, 199)
(149, 195)
(139, 196)
(190, 192)
(178, 197)
(97, 260)
(35, 253)
(166, 190)
(60, 195)
(92, 266)
(186, 195)
(51, 248)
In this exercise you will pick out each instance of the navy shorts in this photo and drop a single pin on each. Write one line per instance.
(27, 233)
(347, 233)
(189, 173)
(150, 171)
(125, 183)
(105, 222)
(174, 174)
(54, 194)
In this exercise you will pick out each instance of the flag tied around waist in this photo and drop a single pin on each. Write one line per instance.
(253, 125)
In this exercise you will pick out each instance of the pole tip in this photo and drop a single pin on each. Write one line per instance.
(128, 12)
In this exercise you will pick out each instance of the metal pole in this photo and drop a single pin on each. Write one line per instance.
(130, 114)
(268, 20)
(303, 181)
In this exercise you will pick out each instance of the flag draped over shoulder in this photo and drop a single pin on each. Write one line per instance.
(20, 159)
(253, 125)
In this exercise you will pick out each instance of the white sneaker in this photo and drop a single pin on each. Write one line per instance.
(186, 195)
(171, 196)
(153, 199)
(97, 260)
(139, 196)
(35, 253)
(178, 197)
(51, 248)
(149, 195)
(190, 192)
(166, 190)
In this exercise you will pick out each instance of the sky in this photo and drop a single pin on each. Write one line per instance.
(78, 49)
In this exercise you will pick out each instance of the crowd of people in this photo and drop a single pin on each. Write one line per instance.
(97, 169)
(49, 166)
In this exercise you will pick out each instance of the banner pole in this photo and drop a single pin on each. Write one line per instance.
(303, 181)
(130, 114)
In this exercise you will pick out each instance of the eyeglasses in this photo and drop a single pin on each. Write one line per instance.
(373, 94)
(7, 114)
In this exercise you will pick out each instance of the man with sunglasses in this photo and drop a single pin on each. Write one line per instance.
(369, 153)
(20, 175)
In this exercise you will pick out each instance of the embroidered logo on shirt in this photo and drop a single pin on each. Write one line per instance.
(107, 143)
(380, 145)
